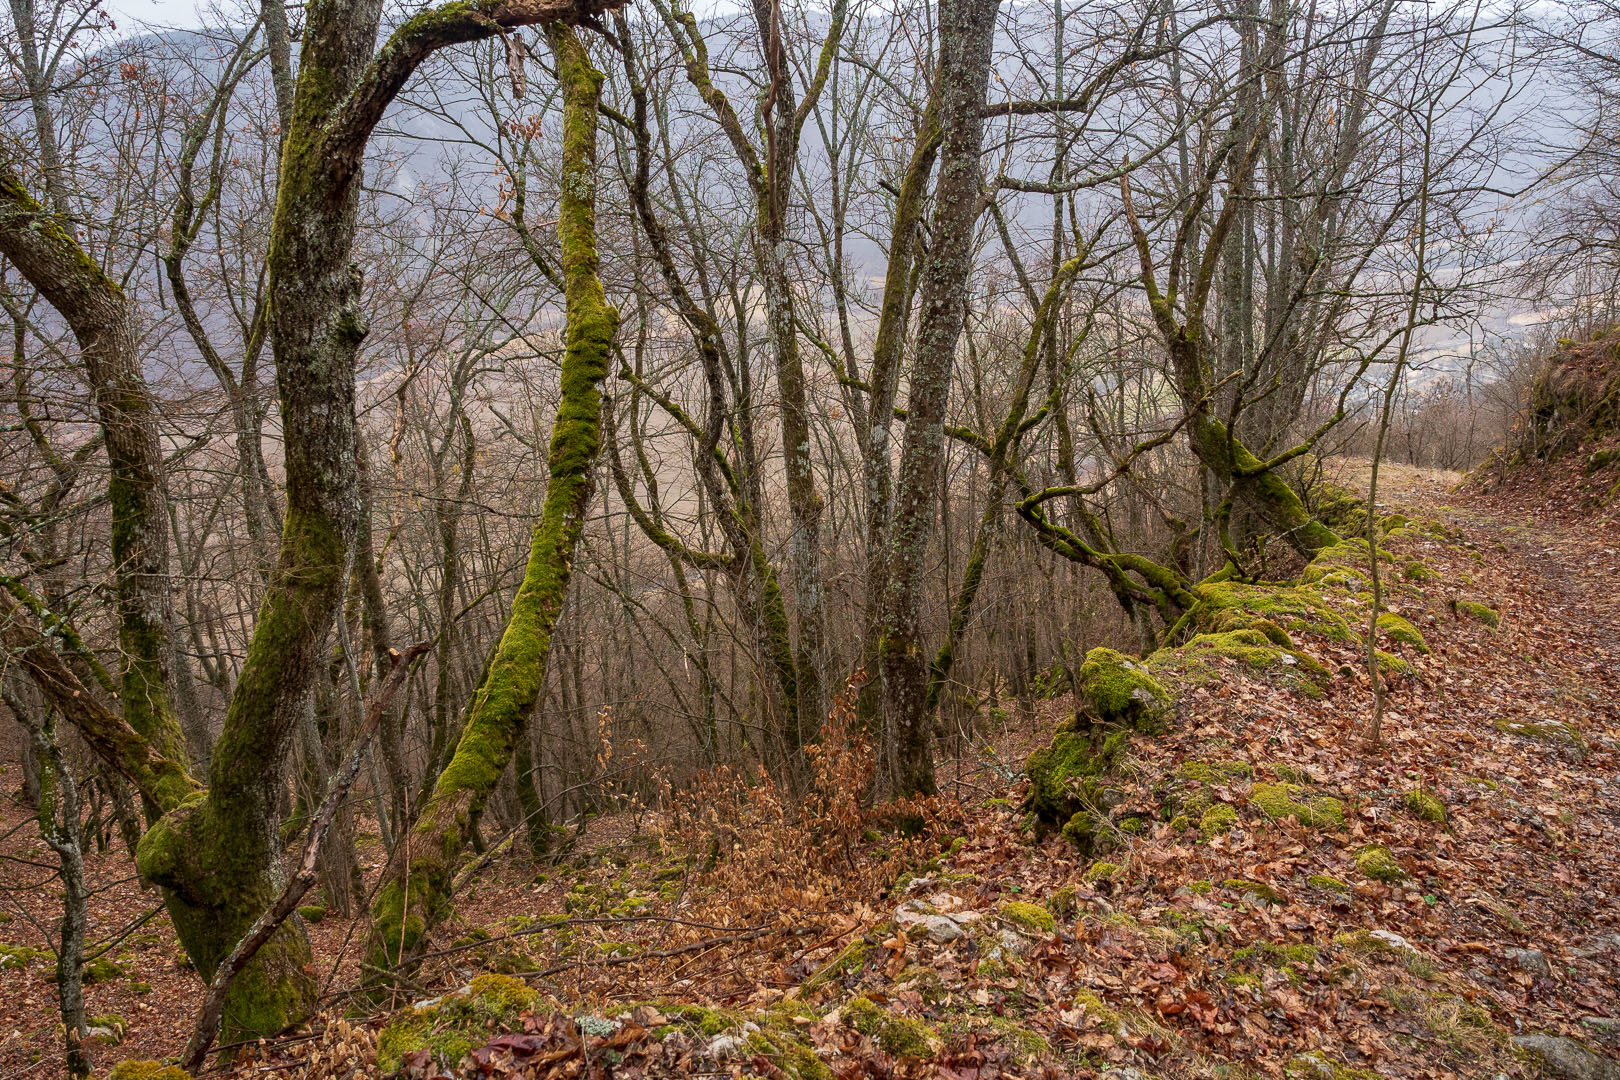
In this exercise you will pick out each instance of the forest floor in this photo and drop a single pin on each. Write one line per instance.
(746, 933)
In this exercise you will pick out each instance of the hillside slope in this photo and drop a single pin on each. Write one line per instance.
(1250, 891)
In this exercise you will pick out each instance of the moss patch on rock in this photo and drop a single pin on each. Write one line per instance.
(1117, 689)
(453, 1025)
(133, 1069)
(1028, 916)
(1544, 731)
(1402, 632)
(901, 1036)
(1424, 804)
(1224, 606)
(1282, 800)
(1218, 819)
(1480, 612)
(1376, 862)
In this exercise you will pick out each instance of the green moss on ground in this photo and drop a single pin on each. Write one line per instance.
(1278, 954)
(850, 959)
(456, 1023)
(1214, 772)
(1063, 904)
(1259, 888)
(1284, 800)
(1028, 916)
(1482, 612)
(1425, 804)
(16, 956)
(901, 1036)
(1376, 862)
(1402, 632)
(1544, 731)
(1218, 819)
(1101, 871)
(312, 913)
(132, 1069)
(1328, 882)
(1225, 606)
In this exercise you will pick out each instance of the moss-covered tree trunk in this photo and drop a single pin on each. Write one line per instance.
(103, 324)
(967, 28)
(416, 890)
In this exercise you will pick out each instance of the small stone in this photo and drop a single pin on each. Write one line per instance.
(1533, 961)
(728, 1044)
(942, 929)
(1567, 1059)
(1598, 945)
(105, 1034)
(1124, 1073)
(1393, 940)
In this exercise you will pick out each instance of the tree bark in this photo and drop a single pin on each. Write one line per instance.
(967, 30)
(417, 887)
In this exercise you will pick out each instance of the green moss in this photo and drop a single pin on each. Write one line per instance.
(850, 959)
(1416, 571)
(1401, 631)
(1218, 819)
(1214, 772)
(1425, 804)
(312, 913)
(101, 970)
(456, 1023)
(1201, 887)
(1482, 612)
(1602, 460)
(901, 1036)
(1289, 774)
(1063, 774)
(1278, 954)
(1026, 1046)
(1243, 979)
(1119, 690)
(1544, 731)
(1270, 610)
(1081, 831)
(1063, 904)
(1259, 888)
(16, 956)
(1328, 882)
(131, 1069)
(1316, 1065)
(1028, 916)
(1180, 823)
(1283, 801)
(1101, 871)
(1377, 863)
(1093, 1005)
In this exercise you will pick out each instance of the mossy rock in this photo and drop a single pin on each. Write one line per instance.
(16, 956)
(1278, 954)
(1025, 1045)
(1416, 571)
(1063, 904)
(1553, 731)
(850, 959)
(1028, 916)
(312, 913)
(1602, 460)
(1273, 611)
(1116, 689)
(1063, 774)
(456, 1023)
(1480, 612)
(1101, 871)
(1217, 820)
(901, 1036)
(1282, 800)
(101, 970)
(1315, 1065)
(1091, 1003)
(1424, 804)
(1328, 882)
(132, 1069)
(1265, 892)
(1402, 632)
(1207, 658)
(1376, 862)
(1215, 772)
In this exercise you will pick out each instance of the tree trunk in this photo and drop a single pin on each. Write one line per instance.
(416, 892)
(967, 29)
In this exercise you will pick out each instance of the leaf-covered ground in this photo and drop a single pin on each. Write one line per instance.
(1468, 896)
